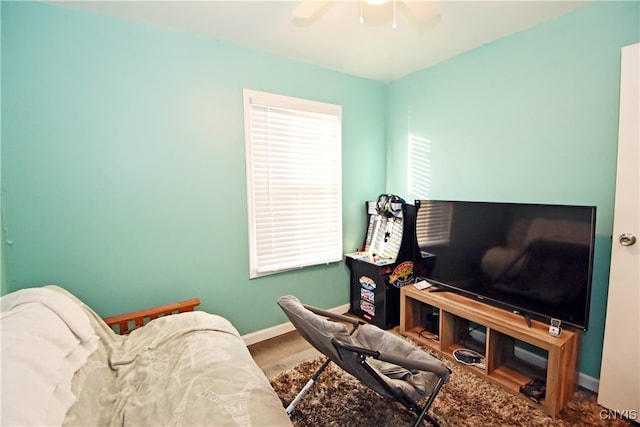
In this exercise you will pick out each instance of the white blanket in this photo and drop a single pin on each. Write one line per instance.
(191, 369)
(46, 338)
(188, 369)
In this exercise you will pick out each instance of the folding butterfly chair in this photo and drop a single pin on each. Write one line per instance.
(381, 360)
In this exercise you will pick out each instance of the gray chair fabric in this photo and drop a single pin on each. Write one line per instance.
(404, 367)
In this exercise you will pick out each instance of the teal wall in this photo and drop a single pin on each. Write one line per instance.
(4, 262)
(124, 169)
(4, 265)
(529, 118)
(123, 151)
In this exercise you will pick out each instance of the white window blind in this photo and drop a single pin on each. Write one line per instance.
(294, 182)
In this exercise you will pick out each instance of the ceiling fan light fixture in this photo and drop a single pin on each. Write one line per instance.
(378, 3)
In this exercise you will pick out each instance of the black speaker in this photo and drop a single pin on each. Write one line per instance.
(431, 319)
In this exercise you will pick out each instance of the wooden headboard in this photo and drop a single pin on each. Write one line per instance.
(125, 323)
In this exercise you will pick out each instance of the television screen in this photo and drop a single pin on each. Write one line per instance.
(531, 258)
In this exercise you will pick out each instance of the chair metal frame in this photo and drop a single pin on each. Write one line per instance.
(362, 355)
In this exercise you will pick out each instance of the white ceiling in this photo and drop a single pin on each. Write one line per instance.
(335, 38)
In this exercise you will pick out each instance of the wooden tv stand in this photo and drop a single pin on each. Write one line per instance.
(459, 314)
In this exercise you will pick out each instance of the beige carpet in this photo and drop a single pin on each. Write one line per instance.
(338, 399)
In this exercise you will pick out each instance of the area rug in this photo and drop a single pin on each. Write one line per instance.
(338, 399)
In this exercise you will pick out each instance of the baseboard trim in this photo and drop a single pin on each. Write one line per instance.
(274, 331)
(588, 382)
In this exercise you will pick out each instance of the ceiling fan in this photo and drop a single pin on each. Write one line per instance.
(421, 13)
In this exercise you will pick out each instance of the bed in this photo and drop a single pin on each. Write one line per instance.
(64, 365)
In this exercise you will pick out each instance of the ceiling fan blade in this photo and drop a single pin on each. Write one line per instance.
(422, 13)
(308, 8)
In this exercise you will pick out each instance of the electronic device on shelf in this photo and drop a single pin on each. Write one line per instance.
(531, 259)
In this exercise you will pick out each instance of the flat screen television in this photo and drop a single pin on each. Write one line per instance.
(532, 259)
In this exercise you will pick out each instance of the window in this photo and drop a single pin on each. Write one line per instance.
(294, 182)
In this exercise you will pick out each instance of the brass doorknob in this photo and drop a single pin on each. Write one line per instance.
(627, 239)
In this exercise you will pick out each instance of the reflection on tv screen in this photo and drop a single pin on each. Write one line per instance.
(534, 258)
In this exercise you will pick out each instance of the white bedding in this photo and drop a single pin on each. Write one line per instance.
(46, 338)
(181, 370)
(191, 369)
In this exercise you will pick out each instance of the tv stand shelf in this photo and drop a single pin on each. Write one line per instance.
(456, 313)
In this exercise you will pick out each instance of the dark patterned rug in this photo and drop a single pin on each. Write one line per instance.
(338, 399)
